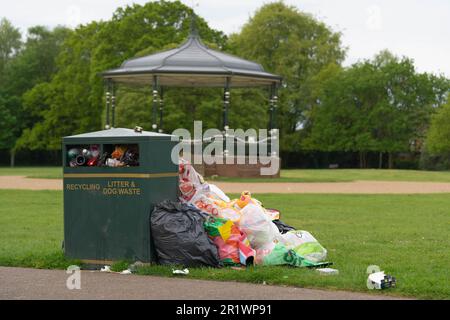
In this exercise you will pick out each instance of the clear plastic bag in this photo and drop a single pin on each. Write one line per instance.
(258, 226)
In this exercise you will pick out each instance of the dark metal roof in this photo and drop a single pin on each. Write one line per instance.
(118, 133)
(192, 64)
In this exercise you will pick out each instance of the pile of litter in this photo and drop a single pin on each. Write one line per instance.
(207, 228)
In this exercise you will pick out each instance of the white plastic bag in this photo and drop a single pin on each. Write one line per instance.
(217, 192)
(190, 182)
(258, 227)
(230, 214)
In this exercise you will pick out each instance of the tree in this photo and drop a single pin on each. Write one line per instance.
(32, 65)
(10, 43)
(73, 100)
(296, 46)
(36, 62)
(381, 106)
(438, 137)
(7, 121)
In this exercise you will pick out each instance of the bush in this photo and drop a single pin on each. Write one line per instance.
(437, 162)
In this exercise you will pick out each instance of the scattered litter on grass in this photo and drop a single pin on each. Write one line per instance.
(106, 269)
(380, 280)
(128, 271)
(327, 271)
(183, 272)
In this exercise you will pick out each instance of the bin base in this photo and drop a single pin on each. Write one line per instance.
(103, 263)
(98, 262)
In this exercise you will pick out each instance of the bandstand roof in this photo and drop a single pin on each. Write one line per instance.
(192, 64)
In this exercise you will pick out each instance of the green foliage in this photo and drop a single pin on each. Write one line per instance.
(6, 121)
(295, 45)
(439, 162)
(35, 63)
(72, 102)
(30, 68)
(50, 86)
(380, 105)
(438, 138)
(436, 151)
(10, 44)
(7, 124)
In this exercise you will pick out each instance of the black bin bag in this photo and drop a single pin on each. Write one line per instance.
(179, 236)
(283, 227)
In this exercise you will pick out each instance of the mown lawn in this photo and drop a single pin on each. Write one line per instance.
(288, 175)
(407, 236)
(347, 175)
(33, 172)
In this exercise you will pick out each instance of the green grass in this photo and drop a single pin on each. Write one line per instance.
(31, 229)
(288, 175)
(408, 236)
(347, 175)
(33, 172)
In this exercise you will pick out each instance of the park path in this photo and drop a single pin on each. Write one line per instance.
(20, 283)
(356, 187)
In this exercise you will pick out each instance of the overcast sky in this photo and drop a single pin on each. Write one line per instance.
(419, 29)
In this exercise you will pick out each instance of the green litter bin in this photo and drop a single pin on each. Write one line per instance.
(112, 180)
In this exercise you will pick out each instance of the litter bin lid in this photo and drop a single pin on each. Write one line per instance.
(120, 133)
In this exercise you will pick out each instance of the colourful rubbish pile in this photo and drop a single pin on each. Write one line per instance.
(245, 232)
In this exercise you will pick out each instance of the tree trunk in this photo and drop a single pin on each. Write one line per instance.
(361, 160)
(380, 161)
(12, 158)
(391, 160)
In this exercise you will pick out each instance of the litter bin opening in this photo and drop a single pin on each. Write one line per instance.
(102, 155)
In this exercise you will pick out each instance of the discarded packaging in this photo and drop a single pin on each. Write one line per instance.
(183, 272)
(128, 271)
(242, 228)
(304, 244)
(379, 280)
(106, 269)
(232, 244)
(327, 271)
(257, 226)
